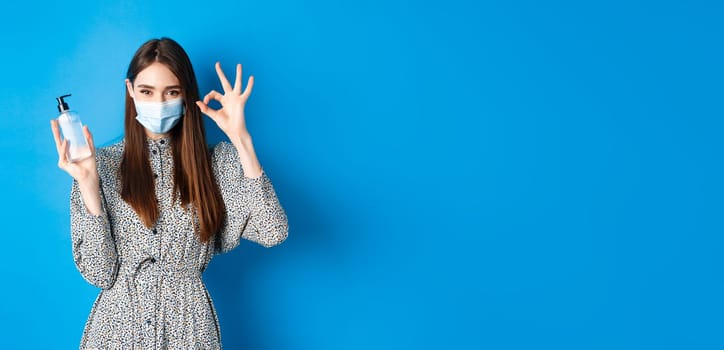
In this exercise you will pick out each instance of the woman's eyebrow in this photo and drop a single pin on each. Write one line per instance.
(153, 88)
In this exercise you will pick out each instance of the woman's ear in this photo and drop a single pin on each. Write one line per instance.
(129, 87)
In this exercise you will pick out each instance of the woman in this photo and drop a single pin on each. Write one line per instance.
(149, 212)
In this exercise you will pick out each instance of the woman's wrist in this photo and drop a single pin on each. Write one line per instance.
(242, 140)
(247, 155)
(89, 183)
(90, 192)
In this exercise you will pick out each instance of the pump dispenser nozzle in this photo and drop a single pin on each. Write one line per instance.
(62, 105)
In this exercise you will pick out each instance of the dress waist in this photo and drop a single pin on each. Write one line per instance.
(151, 267)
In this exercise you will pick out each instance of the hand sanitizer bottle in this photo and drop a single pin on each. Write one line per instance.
(72, 129)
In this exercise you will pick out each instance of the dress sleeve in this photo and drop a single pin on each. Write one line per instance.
(253, 211)
(94, 248)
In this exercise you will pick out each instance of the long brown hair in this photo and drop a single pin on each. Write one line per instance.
(193, 175)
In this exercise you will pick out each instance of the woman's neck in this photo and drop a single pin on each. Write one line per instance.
(155, 136)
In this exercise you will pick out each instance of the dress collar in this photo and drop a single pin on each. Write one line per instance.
(163, 142)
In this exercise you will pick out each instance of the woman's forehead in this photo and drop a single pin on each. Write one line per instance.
(157, 75)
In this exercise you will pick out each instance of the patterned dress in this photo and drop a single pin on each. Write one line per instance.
(152, 295)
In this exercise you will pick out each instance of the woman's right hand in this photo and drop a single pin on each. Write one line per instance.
(84, 171)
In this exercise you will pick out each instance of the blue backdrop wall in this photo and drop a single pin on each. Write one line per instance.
(458, 174)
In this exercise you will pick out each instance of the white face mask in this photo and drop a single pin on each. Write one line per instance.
(159, 117)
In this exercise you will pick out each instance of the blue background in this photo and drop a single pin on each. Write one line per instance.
(468, 175)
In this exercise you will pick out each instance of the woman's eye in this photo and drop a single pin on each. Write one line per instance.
(174, 92)
(145, 92)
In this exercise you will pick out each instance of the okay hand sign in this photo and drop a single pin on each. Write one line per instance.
(230, 117)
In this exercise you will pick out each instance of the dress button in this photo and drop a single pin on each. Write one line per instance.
(154, 152)
(148, 321)
(153, 260)
(155, 175)
(163, 141)
(155, 231)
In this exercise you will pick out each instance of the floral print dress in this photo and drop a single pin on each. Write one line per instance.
(152, 295)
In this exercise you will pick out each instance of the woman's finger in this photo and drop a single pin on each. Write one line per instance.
(56, 133)
(205, 109)
(249, 86)
(237, 82)
(59, 144)
(222, 78)
(213, 94)
(89, 140)
(63, 154)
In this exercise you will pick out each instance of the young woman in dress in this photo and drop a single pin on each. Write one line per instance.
(149, 212)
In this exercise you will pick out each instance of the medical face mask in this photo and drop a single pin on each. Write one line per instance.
(159, 117)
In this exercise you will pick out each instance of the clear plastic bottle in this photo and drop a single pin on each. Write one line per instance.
(72, 129)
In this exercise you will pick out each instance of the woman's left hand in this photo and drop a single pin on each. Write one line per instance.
(230, 117)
